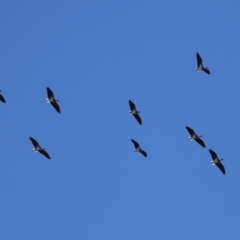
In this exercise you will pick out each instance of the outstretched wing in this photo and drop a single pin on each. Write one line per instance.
(49, 93)
(45, 154)
(206, 70)
(138, 118)
(132, 105)
(2, 98)
(34, 142)
(135, 143)
(199, 60)
(200, 141)
(191, 132)
(221, 167)
(56, 106)
(213, 154)
(143, 153)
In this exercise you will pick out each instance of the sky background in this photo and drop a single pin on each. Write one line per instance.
(95, 56)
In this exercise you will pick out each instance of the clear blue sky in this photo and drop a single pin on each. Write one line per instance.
(95, 56)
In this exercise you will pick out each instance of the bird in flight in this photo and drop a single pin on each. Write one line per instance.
(52, 100)
(37, 148)
(216, 161)
(134, 112)
(138, 149)
(200, 65)
(195, 137)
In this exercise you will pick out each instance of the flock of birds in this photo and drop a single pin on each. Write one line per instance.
(53, 101)
(133, 110)
(193, 136)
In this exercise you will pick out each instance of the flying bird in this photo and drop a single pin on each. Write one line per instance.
(216, 161)
(200, 65)
(134, 112)
(195, 137)
(52, 100)
(138, 149)
(2, 99)
(37, 148)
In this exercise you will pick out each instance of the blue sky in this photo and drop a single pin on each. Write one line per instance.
(95, 56)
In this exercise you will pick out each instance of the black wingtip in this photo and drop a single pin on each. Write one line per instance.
(2, 99)
(207, 71)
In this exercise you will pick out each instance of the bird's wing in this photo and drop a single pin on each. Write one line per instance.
(135, 143)
(191, 132)
(213, 154)
(206, 70)
(45, 154)
(34, 142)
(221, 167)
(200, 141)
(143, 153)
(132, 105)
(56, 106)
(199, 60)
(49, 92)
(2, 98)
(138, 118)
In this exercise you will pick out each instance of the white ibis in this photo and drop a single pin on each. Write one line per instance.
(52, 100)
(200, 65)
(138, 149)
(134, 112)
(37, 148)
(195, 137)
